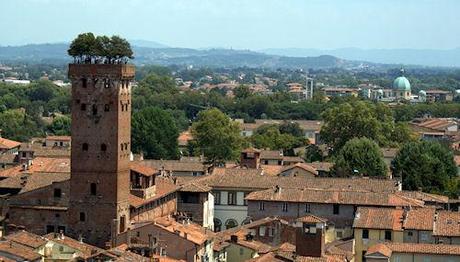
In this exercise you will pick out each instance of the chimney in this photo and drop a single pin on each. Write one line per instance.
(250, 158)
(310, 239)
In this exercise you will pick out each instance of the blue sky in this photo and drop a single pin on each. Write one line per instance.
(251, 24)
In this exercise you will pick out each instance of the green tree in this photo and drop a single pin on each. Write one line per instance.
(360, 156)
(154, 133)
(348, 120)
(242, 92)
(217, 136)
(313, 153)
(60, 126)
(292, 128)
(270, 137)
(425, 165)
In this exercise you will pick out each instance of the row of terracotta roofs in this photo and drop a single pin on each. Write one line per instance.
(440, 222)
(25, 246)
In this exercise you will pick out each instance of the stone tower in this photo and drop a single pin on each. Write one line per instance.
(101, 136)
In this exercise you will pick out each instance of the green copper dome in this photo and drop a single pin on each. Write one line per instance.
(401, 83)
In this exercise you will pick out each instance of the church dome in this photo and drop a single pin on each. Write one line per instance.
(401, 83)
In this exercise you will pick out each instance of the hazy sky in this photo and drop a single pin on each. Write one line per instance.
(253, 24)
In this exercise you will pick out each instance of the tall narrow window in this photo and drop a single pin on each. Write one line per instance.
(82, 217)
(103, 147)
(261, 206)
(106, 107)
(336, 209)
(231, 198)
(94, 110)
(307, 208)
(83, 107)
(93, 189)
(57, 193)
(285, 207)
(365, 234)
(84, 82)
(85, 147)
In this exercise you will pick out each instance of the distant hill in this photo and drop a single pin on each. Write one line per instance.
(426, 57)
(57, 53)
(147, 43)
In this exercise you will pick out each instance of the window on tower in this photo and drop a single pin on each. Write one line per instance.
(93, 189)
(82, 217)
(83, 107)
(94, 110)
(103, 147)
(84, 82)
(106, 107)
(85, 147)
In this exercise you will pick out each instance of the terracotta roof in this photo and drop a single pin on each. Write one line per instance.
(420, 219)
(426, 197)
(29, 182)
(164, 187)
(174, 165)
(7, 144)
(195, 187)
(379, 218)
(388, 248)
(331, 196)
(19, 250)
(271, 154)
(447, 223)
(40, 165)
(255, 179)
(142, 169)
(311, 219)
(303, 166)
(85, 250)
(59, 138)
(292, 159)
(190, 231)
(272, 170)
(380, 248)
(27, 239)
(7, 158)
(184, 137)
(322, 166)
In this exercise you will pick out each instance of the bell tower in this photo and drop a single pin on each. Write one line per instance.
(101, 146)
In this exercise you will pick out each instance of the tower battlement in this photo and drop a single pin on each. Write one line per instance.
(113, 71)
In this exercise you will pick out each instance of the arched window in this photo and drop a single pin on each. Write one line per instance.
(217, 225)
(103, 147)
(231, 223)
(85, 147)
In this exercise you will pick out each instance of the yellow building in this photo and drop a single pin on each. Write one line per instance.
(376, 225)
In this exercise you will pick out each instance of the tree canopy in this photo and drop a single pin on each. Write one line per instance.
(360, 156)
(278, 137)
(217, 136)
(426, 165)
(87, 48)
(346, 121)
(155, 134)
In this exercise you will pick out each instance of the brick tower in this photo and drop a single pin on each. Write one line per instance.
(101, 136)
